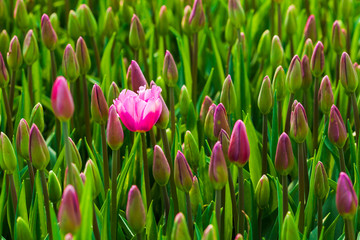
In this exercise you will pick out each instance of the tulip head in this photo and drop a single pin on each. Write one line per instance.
(48, 34)
(266, 97)
(318, 60)
(22, 139)
(289, 229)
(294, 75)
(230, 33)
(195, 196)
(310, 28)
(114, 131)
(185, 20)
(218, 174)
(70, 65)
(21, 15)
(197, 17)
(113, 93)
(170, 72)
(135, 212)
(91, 171)
(38, 151)
(69, 211)
(308, 48)
(278, 83)
(306, 73)
(37, 117)
(236, 13)
(163, 23)
(4, 75)
(161, 168)
(8, 161)
(205, 108)
(277, 52)
(75, 155)
(264, 45)
(87, 20)
(220, 120)
(338, 40)
(82, 55)
(346, 199)
(336, 131)
(284, 157)
(182, 173)
(4, 42)
(30, 49)
(209, 233)
(209, 122)
(325, 95)
(73, 26)
(191, 150)
(136, 75)
(61, 99)
(321, 181)
(136, 35)
(99, 107)
(110, 23)
(262, 192)
(298, 123)
(239, 149)
(163, 120)
(290, 20)
(348, 75)
(54, 187)
(180, 230)
(14, 56)
(228, 95)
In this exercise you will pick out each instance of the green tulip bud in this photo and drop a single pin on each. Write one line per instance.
(228, 95)
(4, 75)
(277, 52)
(83, 56)
(182, 173)
(91, 171)
(298, 123)
(308, 48)
(22, 139)
(209, 233)
(22, 229)
(55, 21)
(8, 161)
(346, 7)
(205, 108)
(325, 96)
(185, 20)
(38, 151)
(348, 75)
(70, 65)
(30, 48)
(110, 23)
(321, 181)
(191, 150)
(184, 100)
(278, 83)
(170, 72)
(180, 230)
(75, 155)
(264, 45)
(318, 60)
(161, 168)
(236, 13)
(266, 96)
(37, 117)
(21, 15)
(290, 20)
(77, 181)
(305, 73)
(294, 75)
(195, 196)
(136, 35)
(338, 40)
(230, 33)
(73, 26)
(209, 123)
(113, 93)
(4, 41)
(87, 20)
(48, 34)
(14, 56)
(54, 187)
(163, 23)
(197, 17)
(114, 131)
(262, 192)
(218, 174)
(135, 212)
(99, 107)
(289, 229)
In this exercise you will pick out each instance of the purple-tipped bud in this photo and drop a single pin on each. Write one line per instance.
(76, 181)
(236, 13)
(290, 20)
(228, 95)
(284, 158)
(278, 83)
(197, 16)
(266, 96)
(262, 192)
(110, 23)
(8, 160)
(54, 187)
(48, 33)
(170, 72)
(135, 212)
(182, 173)
(191, 150)
(75, 155)
(185, 20)
(325, 95)
(321, 181)
(83, 177)
(61, 99)
(73, 26)
(30, 49)
(21, 15)
(337, 131)
(180, 230)
(239, 237)
(37, 116)
(163, 24)
(218, 174)
(209, 233)
(161, 168)
(22, 139)
(298, 123)
(184, 100)
(230, 33)
(264, 45)
(205, 108)
(318, 60)
(224, 139)
(308, 48)
(136, 35)
(163, 120)
(346, 199)
(14, 57)
(209, 123)
(136, 76)
(293, 77)
(99, 107)
(348, 75)
(70, 65)
(310, 28)
(38, 151)
(113, 93)
(277, 52)
(83, 56)
(69, 216)
(239, 149)
(91, 171)
(338, 41)
(220, 120)
(87, 20)
(55, 21)
(4, 75)
(69, 236)
(196, 198)
(4, 42)
(306, 73)
(114, 131)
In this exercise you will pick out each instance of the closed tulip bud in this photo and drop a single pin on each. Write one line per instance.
(87, 20)
(182, 173)
(239, 237)
(91, 171)
(99, 107)
(135, 212)
(218, 174)
(337, 131)
(163, 120)
(325, 95)
(114, 131)
(21, 15)
(264, 45)
(161, 168)
(290, 20)
(22, 139)
(220, 120)
(308, 48)
(37, 117)
(30, 48)
(195, 196)
(136, 35)
(321, 181)
(338, 41)
(298, 122)
(69, 216)
(262, 192)
(73, 26)
(289, 229)
(197, 17)
(137, 77)
(209, 123)
(14, 57)
(70, 65)
(82, 55)
(209, 233)
(75, 155)
(318, 60)
(310, 28)
(224, 139)
(293, 77)
(346, 199)
(278, 83)
(4, 75)
(113, 93)
(69, 236)
(54, 187)
(348, 75)
(266, 96)
(180, 230)
(38, 151)
(110, 23)
(205, 108)
(284, 158)
(8, 160)
(228, 95)
(48, 34)
(61, 99)
(170, 72)
(277, 52)
(76, 181)
(55, 21)
(163, 24)
(239, 149)
(185, 20)
(184, 100)
(230, 33)
(4, 42)
(22, 229)
(306, 73)
(236, 13)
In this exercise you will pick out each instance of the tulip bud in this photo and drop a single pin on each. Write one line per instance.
(298, 122)
(346, 199)
(293, 77)
(4, 75)
(284, 157)
(73, 26)
(220, 120)
(277, 52)
(239, 149)
(70, 65)
(136, 76)
(337, 131)
(310, 28)
(113, 93)
(99, 107)
(14, 57)
(91, 171)
(197, 17)
(38, 152)
(195, 196)
(163, 120)
(305, 73)
(136, 35)
(218, 174)
(321, 181)
(290, 20)
(209, 123)
(135, 212)
(180, 230)
(22, 139)
(22, 229)
(264, 45)
(110, 23)
(87, 20)
(209, 233)
(289, 229)
(308, 48)
(348, 75)
(54, 20)
(83, 56)
(278, 83)
(185, 20)
(161, 168)
(48, 33)
(69, 236)
(325, 95)
(75, 155)
(8, 160)
(30, 48)
(4, 42)
(182, 173)
(83, 177)
(239, 237)
(21, 15)
(170, 72)
(184, 100)
(318, 60)
(54, 187)
(37, 117)
(337, 38)
(228, 95)
(205, 108)
(163, 24)
(266, 97)
(114, 131)
(236, 13)
(69, 212)
(61, 99)
(230, 33)
(262, 192)
(76, 181)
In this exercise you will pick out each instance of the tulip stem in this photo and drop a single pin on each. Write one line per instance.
(146, 65)
(166, 203)
(172, 112)
(316, 114)
(292, 51)
(95, 225)
(105, 157)
(168, 157)
(194, 64)
(70, 179)
(31, 175)
(53, 65)
(223, 203)
(86, 109)
(12, 89)
(13, 191)
(342, 160)
(350, 229)
(46, 202)
(264, 146)
(218, 209)
(228, 60)
(97, 55)
(279, 19)
(146, 170)
(233, 200)
(189, 216)
(337, 67)
(31, 88)
(356, 115)
(279, 116)
(285, 194)
(301, 187)
(287, 121)
(241, 201)
(260, 223)
(113, 194)
(8, 114)
(319, 212)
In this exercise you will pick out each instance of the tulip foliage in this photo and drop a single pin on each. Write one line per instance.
(179, 120)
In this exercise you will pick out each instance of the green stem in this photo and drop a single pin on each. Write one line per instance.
(152, 138)
(350, 229)
(316, 114)
(53, 65)
(194, 64)
(136, 55)
(287, 121)
(264, 147)
(13, 192)
(241, 98)
(97, 55)
(86, 109)
(279, 116)
(292, 51)
(46, 202)
(8, 114)
(301, 187)
(342, 160)
(68, 160)
(228, 60)
(146, 65)
(113, 194)
(306, 174)
(105, 157)
(241, 201)
(356, 115)
(218, 209)
(146, 170)
(189, 216)
(260, 223)
(319, 212)
(172, 112)
(166, 203)
(337, 69)
(95, 225)
(285, 195)
(279, 19)
(348, 35)
(223, 203)
(233, 199)
(138, 236)
(31, 88)
(12, 89)
(31, 175)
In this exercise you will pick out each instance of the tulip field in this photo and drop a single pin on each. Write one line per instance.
(179, 119)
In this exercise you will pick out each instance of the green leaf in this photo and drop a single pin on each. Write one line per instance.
(2, 202)
(106, 62)
(41, 205)
(151, 228)
(219, 66)
(274, 130)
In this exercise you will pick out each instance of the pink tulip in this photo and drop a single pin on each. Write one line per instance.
(139, 112)
(61, 99)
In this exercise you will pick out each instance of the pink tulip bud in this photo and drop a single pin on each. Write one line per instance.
(170, 72)
(209, 233)
(348, 75)
(218, 174)
(114, 131)
(318, 60)
(22, 139)
(69, 212)
(185, 20)
(209, 123)
(337, 131)
(83, 56)
(182, 173)
(298, 122)
(346, 199)
(99, 107)
(161, 168)
(61, 99)
(220, 120)
(135, 212)
(136, 76)
(325, 96)
(205, 108)
(197, 16)
(284, 158)
(69, 236)
(38, 152)
(306, 73)
(180, 230)
(310, 28)
(48, 33)
(239, 149)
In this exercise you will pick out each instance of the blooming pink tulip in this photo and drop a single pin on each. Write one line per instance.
(139, 112)
(61, 99)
